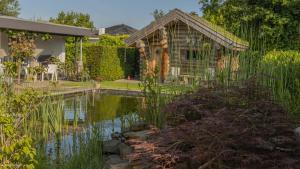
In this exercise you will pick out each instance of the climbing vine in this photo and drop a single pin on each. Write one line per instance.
(16, 150)
(21, 46)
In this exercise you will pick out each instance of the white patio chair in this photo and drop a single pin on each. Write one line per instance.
(1, 69)
(52, 70)
(175, 71)
(24, 69)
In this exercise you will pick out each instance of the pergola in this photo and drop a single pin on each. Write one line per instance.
(14, 23)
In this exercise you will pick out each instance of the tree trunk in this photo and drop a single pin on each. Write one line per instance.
(19, 64)
(165, 55)
(165, 64)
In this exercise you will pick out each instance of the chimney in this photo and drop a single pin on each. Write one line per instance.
(101, 31)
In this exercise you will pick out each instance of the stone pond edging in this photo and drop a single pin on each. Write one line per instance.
(117, 150)
(67, 94)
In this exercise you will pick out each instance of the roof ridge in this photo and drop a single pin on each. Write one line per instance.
(43, 22)
(213, 26)
(218, 33)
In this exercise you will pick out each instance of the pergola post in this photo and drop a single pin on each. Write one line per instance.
(80, 62)
(80, 49)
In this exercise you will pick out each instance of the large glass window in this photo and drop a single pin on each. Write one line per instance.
(193, 55)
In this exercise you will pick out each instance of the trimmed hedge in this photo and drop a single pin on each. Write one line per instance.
(106, 62)
(111, 63)
(70, 52)
(112, 40)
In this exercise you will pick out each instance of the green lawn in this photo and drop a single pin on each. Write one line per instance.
(119, 85)
(104, 85)
(76, 84)
(166, 88)
(68, 86)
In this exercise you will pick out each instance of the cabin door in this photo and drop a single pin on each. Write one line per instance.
(156, 59)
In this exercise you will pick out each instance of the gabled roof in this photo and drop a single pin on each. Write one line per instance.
(121, 29)
(7, 22)
(210, 30)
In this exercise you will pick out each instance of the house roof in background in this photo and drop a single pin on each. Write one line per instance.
(7, 22)
(121, 29)
(210, 30)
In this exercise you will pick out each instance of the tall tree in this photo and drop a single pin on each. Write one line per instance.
(157, 14)
(21, 46)
(74, 19)
(276, 22)
(194, 13)
(9, 7)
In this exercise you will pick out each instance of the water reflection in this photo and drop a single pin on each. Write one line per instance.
(111, 113)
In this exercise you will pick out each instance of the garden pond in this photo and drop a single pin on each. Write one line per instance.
(84, 113)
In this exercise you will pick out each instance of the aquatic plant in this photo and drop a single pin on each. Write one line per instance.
(87, 153)
(153, 99)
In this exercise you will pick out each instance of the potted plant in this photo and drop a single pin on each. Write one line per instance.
(97, 81)
(10, 71)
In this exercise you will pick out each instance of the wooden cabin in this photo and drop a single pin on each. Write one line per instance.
(183, 46)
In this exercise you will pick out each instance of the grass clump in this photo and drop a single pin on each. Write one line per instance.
(283, 71)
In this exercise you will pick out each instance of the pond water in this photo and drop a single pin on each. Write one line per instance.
(112, 112)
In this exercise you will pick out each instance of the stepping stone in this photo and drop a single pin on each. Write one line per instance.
(125, 150)
(297, 133)
(111, 147)
(142, 135)
(115, 136)
(139, 126)
(115, 162)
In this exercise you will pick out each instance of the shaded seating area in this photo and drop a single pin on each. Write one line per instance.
(39, 65)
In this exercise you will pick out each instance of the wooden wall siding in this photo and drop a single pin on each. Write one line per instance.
(178, 35)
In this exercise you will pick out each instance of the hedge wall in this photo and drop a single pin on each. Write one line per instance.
(111, 63)
(70, 55)
(106, 62)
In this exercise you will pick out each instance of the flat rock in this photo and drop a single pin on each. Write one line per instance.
(139, 126)
(115, 162)
(125, 150)
(282, 141)
(138, 167)
(116, 136)
(297, 133)
(142, 135)
(111, 147)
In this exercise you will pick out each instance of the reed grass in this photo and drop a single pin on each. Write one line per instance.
(87, 153)
(283, 71)
(153, 100)
(85, 149)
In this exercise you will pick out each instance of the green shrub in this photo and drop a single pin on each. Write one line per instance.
(112, 40)
(70, 54)
(111, 63)
(130, 57)
(106, 62)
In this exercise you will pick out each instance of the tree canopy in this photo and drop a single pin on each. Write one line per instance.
(275, 22)
(74, 19)
(158, 14)
(9, 7)
(110, 40)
